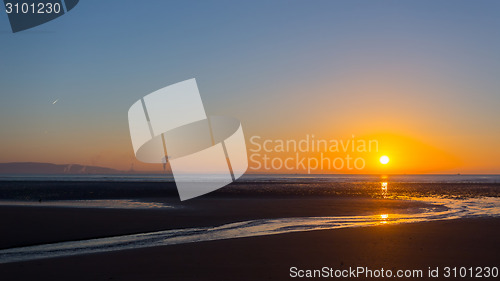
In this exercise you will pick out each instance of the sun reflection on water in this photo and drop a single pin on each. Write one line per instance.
(383, 218)
(384, 186)
(448, 209)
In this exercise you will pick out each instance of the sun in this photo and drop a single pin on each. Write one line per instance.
(384, 159)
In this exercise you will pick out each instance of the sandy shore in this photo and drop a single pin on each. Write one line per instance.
(466, 242)
(40, 225)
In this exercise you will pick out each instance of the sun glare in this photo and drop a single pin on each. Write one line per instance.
(384, 159)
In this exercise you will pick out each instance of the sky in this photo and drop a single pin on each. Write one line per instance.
(421, 77)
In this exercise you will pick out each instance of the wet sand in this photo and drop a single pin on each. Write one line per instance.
(39, 225)
(465, 242)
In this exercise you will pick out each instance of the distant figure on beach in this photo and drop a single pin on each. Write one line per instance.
(164, 160)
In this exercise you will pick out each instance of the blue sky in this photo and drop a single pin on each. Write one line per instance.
(281, 67)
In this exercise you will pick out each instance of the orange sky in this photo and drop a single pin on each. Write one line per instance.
(422, 80)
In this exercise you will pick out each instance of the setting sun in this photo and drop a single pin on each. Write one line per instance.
(384, 159)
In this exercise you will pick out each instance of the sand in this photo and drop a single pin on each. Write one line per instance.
(39, 225)
(464, 242)
(407, 246)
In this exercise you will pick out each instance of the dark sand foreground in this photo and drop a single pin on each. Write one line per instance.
(408, 246)
(28, 226)
(465, 242)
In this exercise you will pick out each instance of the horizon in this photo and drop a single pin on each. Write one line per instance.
(249, 140)
(419, 77)
(168, 173)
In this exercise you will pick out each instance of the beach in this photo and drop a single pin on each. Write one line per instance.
(39, 225)
(249, 140)
(255, 230)
(472, 242)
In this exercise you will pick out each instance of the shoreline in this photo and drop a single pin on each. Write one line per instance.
(403, 246)
(33, 225)
(79, 190)
(453, 242)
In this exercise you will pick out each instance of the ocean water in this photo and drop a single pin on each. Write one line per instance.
(128, 191)
(310, 178)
